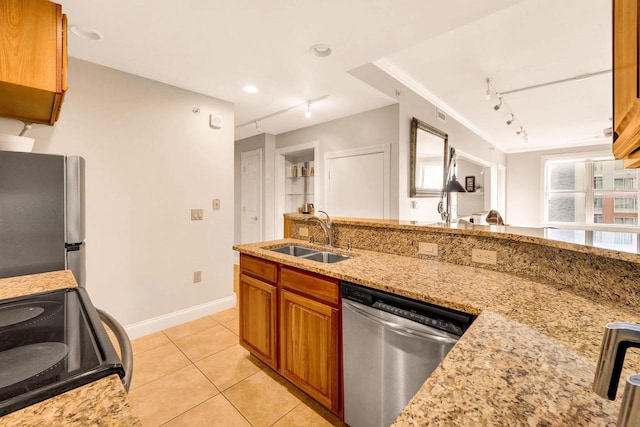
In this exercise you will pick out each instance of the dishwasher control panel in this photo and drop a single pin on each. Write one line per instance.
(452, 321)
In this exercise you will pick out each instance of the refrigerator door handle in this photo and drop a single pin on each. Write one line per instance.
(74, 194)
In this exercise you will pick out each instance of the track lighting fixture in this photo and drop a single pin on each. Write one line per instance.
(308, 113)
(307, 103)
(510, 119)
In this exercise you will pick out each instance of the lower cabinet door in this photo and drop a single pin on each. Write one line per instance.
(258, 319)
(309, 352)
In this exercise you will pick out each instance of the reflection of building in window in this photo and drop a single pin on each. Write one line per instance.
(597, 218)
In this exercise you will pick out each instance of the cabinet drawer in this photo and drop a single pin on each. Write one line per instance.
(256, 267)
(323, 288)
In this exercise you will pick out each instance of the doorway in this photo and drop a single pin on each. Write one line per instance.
(251, 196)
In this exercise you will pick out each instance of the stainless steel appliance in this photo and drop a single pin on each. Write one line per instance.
(42, 226)
(50, 343)
(391, 345)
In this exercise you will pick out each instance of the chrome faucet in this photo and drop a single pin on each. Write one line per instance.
(618, 337)
(326, 227)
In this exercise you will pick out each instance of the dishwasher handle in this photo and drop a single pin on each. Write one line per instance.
(395, 327)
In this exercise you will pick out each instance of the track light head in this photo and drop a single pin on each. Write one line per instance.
(519, 132)
(487, 95)
(498, 105)
(307, 114)
(511, 119)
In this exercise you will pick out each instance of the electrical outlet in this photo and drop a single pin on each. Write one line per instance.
(303, 232)
(197, 276)
(484, 257)
(196, 214)
(428, 248)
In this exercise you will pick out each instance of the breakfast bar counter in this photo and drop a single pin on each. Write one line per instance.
(528, 359)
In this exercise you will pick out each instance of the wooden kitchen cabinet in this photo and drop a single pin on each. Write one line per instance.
(309, 347)
(626, 82)
(258, 309)
(33, 60)
(310, 329)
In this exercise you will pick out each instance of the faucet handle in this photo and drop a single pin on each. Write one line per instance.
(630, 407)
(618, 337)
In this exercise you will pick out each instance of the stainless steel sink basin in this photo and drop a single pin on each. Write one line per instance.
(295, 250)
(311, 254)
(327, 257)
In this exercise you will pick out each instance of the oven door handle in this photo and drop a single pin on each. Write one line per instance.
(395, 327)
(125, 346)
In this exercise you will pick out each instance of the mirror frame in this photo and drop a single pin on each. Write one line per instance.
(415, 125)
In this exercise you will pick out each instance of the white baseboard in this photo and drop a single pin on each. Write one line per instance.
(155, 324)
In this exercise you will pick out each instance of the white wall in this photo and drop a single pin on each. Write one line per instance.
(525, 184)
(413, 105)
(149, 160)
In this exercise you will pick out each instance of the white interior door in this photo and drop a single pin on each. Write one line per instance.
(357, 183)
(251, 196)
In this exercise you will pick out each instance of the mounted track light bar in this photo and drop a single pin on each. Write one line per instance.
(277, 113)
(555, 82)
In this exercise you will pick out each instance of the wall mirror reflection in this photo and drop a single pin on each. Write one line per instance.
(429, 148)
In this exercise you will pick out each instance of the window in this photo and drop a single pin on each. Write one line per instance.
(624, 204)
(588, 191)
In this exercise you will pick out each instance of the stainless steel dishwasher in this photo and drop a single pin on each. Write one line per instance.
(391, 345)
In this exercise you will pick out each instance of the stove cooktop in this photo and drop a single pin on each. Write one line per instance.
(50, 343)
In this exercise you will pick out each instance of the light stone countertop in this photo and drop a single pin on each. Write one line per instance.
(528, 359)
(103, 402)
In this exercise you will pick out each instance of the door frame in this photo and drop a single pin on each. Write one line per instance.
(243, 155)
(280, 177)
(385, 149)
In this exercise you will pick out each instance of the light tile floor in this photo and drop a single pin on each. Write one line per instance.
(197, 374)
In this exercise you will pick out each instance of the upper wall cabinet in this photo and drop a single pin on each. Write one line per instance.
(33, 60)
(626, 84)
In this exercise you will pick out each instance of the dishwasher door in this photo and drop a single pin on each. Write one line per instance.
(387, 358)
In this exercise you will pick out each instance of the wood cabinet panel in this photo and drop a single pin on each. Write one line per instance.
(323, 288)
(259, 268)
(258, 316)
(33, 60)
(309, 354)
(626, 84)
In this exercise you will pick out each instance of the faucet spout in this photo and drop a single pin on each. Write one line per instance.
(326, 228)
(618, 337)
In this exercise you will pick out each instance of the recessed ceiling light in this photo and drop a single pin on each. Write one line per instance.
(250, 89)
(320, 50)
(86, 33)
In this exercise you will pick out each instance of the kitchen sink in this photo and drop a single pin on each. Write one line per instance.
(298, 251)
(311, 254)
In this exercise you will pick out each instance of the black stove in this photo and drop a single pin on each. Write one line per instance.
(50, 343)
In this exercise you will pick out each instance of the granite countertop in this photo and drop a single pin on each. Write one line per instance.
(528, 359)
(519, 234)
(103, 402)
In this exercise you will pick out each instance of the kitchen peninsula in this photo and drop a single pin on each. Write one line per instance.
(529, 358)
(103, 402)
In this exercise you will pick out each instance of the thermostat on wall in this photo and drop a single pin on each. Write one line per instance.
(215, 121)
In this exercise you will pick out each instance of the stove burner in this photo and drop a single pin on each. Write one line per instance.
(29, 361)
(17, 314)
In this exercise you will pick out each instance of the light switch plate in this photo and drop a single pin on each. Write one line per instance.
(428, 248)
(197, 276)
(216, 204)
(196, 214)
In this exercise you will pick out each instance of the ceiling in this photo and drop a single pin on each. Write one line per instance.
(444, 50)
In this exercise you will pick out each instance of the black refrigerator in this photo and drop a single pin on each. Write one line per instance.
(42, 215)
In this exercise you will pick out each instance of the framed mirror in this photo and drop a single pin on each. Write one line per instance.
(429, 147)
